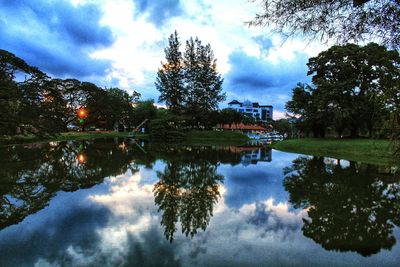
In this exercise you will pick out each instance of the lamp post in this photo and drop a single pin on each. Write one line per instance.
(82, 115)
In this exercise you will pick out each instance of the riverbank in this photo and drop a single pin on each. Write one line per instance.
(362, 150)
(22, 139)
(192, 137)
(215, 138)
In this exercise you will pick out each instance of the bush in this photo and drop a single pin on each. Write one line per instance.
(167, 129)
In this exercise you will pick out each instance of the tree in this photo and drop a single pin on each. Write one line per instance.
(169, 79)
(353, 90)
(190, 84)
(32, 102)
(144, 110)
(26, 104)
(355, 82)
(229, 116)
(341, 20)
(202, 81)
(307, 107)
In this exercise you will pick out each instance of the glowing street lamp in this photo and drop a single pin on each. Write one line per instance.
(82, 114)
(81, 158)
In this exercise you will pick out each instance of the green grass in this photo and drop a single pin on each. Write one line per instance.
(361, 150)
(19, 139)
(215, 138)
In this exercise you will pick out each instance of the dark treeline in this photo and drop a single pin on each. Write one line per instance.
(32, 102)
(354, 92)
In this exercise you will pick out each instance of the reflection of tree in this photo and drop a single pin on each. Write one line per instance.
(187, 190)
(31, 175)
(349, 208)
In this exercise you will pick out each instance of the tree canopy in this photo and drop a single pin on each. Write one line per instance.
(189, 82)
(32, 102)
(354, 89)
(341, 20)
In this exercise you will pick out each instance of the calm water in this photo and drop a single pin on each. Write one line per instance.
(118, 203)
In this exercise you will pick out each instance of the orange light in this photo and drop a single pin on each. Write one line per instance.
(82, 113)
(81, 158)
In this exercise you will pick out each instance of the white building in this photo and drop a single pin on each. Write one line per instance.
(259, 112)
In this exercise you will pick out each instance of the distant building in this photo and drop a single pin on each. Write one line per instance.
(252, 154)
(261, 113)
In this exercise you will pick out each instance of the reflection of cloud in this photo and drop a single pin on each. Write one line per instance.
(131, 202)
(125, 191)
(125, 231)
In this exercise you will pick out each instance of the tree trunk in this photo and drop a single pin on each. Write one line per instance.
(353, 133)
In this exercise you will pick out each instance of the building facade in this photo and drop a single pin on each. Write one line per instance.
(261, 113)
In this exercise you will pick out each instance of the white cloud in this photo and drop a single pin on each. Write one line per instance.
(138, 50)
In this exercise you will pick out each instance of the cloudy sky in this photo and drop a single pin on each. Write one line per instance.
(121, 43)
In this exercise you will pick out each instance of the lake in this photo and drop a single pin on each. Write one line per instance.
(117, 202)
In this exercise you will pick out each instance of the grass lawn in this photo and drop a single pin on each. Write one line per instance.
(215, 138)
(362, 150)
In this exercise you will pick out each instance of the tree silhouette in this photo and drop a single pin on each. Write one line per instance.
(341, 20)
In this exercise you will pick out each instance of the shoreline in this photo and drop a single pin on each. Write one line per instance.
(373, 151)
(361, 150)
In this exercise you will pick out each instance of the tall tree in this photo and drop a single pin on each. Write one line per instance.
(202, 81)
(355, 89)
(26, 104)
(170, 77)
(355, 82)
(341, 20)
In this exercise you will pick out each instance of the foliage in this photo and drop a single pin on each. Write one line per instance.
(355, 89)
(144, 110)
(33, 103)
(169, 128)
(203, 83)
(169, 80)
(190, 83)
(341, 20)
(230, 116)
(285, 126)
(25, 106)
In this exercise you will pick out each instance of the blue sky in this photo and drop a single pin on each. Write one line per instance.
(121, 43)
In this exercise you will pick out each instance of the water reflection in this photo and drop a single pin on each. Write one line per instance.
(187, 191)
(351, 207)
(31, 175)
(156, 194)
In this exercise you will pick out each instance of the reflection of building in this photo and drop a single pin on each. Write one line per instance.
(259, 112)
(251, 154)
